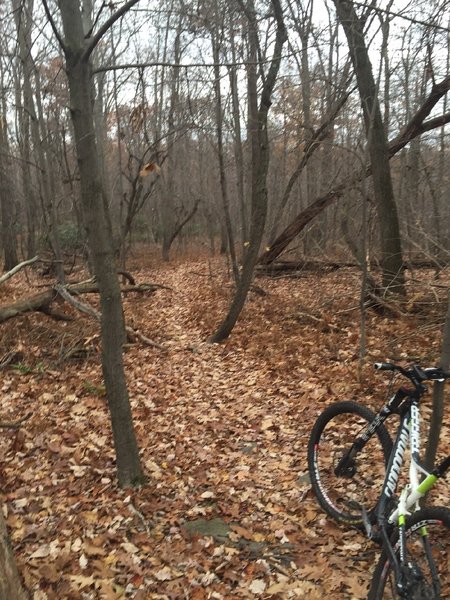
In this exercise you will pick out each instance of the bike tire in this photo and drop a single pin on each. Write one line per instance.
(436, 520)
(343, 497)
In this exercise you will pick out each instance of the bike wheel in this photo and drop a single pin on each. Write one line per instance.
(434, 524)
(345, 497)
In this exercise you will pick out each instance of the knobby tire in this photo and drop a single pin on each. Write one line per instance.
(436, 520)
(346, 498)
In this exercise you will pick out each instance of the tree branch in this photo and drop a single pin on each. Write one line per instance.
(105, 27)
(159, 63)
(53, 25)
(416, 126)
(17, 268)
(81, 306)
(132, 334)
(16, 424)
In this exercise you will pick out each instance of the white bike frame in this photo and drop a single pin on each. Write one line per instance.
(414, 490)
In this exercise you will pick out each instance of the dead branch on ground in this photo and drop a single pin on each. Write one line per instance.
(42, 302)
(17, 268)
(15, 424)
(132, 334)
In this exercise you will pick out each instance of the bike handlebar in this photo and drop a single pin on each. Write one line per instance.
(416, 374)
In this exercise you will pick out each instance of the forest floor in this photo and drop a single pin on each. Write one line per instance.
(228, 512)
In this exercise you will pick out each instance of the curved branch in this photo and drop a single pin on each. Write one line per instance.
(105, 27)
(416, 126)
(17, 268)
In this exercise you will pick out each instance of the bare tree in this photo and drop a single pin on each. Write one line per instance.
(417, 125)
(391, 251)
(7, 204)
(237, 140)
(216, 43)
(78, 45)
(259, 142)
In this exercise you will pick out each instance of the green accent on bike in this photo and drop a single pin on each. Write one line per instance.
(423, 531)
(427, 484)
(401, 520)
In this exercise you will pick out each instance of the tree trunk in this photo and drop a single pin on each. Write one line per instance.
(46, 176)
(10, 585)
(220, 157)
(391, 252)
(33, 125)
(437, 416)
(23, 16)
(167, 207)
(237, 144)
(7, 205)
(260, 162)
(99, 234)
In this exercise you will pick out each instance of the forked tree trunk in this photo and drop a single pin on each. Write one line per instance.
(99, 233)
(260, 161)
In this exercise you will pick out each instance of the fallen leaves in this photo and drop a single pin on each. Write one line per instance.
(41, 552)
(223, 432)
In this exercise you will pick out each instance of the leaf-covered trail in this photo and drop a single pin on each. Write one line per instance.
(223, 432)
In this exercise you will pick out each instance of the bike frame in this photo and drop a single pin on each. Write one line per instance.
(408, 432)
(405, 403)
(391, 512)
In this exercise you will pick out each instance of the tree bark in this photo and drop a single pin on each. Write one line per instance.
(10, 585)
(77, 52)
(391, 251)
(260, 162)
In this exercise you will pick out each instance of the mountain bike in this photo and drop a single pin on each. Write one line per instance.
(355, 469)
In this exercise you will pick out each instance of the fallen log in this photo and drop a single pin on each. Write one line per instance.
(132, 334)
(298, 266)
(41, 301)
(36, 302)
